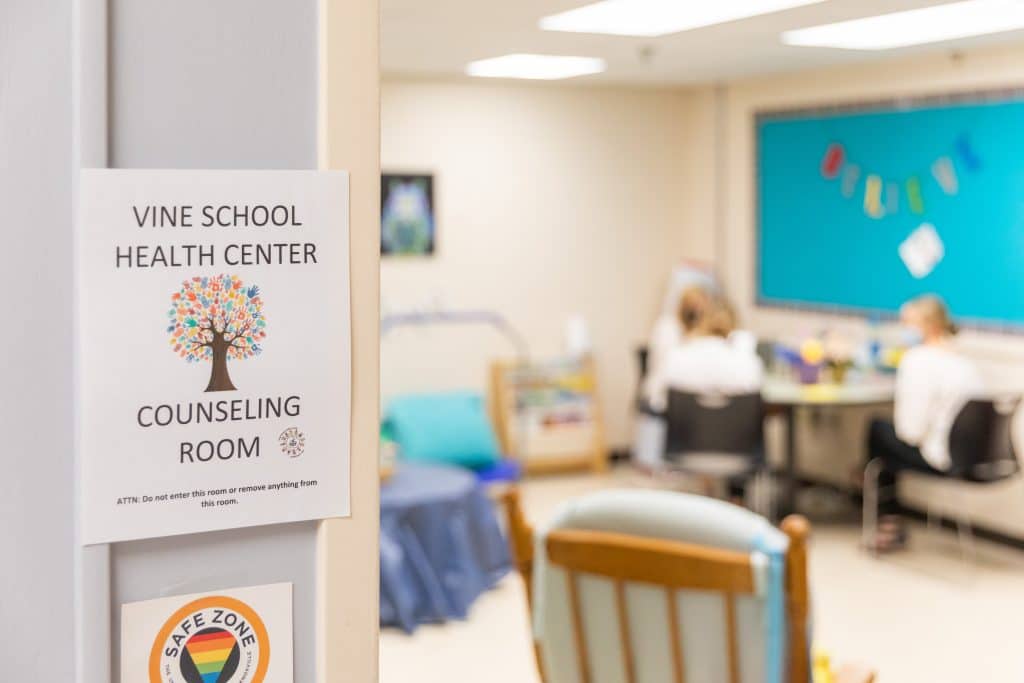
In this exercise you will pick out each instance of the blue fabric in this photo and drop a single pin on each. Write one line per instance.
(440, 545)
(450, 428)
(501, 471)
(775, 610)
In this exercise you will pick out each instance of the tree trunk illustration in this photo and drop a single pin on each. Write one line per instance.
(220, 380)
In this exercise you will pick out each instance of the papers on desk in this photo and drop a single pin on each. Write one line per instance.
(821, 393)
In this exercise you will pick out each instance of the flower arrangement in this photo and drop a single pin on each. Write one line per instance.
(829, 352)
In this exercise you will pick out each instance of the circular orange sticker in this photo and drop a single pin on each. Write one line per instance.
(216, 639)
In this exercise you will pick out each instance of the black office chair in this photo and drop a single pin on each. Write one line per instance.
(981, 441)
(718, 436)
(982, 452)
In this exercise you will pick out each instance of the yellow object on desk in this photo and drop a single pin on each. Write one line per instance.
(891, 357)
(812, 351)
(821, 393)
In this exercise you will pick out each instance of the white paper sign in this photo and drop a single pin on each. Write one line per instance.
(922, 251)
(213, 350)
(241, 635)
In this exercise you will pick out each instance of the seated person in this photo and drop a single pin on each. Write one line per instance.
(671, 329)
(707, 360)
(933, 383)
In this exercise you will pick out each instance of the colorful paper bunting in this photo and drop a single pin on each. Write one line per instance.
(966, 153)
(945, 175)
(873, 197)
(851, 174)
(914, 198)
(832, 163)
(892, 198)
(882, 198)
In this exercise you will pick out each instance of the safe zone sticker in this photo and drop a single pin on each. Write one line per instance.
(242, 635)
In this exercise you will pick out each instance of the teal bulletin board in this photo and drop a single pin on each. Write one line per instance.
(861, 209)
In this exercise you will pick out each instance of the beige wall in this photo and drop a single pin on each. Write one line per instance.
(349, 138)
(551, 200)
(1001, 356)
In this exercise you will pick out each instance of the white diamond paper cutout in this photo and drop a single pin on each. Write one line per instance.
(922, 250)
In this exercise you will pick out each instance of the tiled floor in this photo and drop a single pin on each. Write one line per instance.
(924, 616)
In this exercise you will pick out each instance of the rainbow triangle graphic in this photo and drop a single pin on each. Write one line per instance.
(210, 651)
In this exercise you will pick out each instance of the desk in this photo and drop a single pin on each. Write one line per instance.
(784, 396)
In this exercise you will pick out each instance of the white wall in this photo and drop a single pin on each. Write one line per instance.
(36, 507)
(551, 200)
(1001, 356)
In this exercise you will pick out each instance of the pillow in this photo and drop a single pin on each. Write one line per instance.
(450, 428)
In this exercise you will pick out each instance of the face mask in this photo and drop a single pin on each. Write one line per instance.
(909, 336)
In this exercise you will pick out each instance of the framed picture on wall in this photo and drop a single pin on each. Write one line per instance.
(407, 221)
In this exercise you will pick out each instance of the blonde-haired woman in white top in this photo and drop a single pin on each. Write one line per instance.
(672, 329)
(933, 383)
(708, 360)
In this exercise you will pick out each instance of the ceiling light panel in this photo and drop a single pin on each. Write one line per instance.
(914, 27)
(652, 18)
(535, 67)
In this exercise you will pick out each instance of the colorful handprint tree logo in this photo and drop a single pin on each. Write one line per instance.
(216, 319)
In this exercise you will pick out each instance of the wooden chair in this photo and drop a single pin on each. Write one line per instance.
(667, 566)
